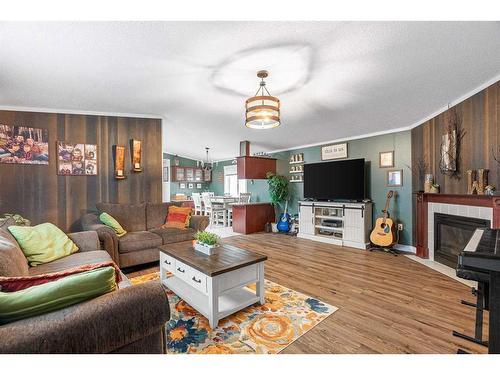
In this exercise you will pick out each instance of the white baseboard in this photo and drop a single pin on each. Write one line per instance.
(406, 248)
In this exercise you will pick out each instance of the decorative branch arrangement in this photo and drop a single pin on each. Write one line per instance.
(450, 145)
(418, 170)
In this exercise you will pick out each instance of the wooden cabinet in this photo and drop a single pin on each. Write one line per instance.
(178, 174)
(198, 175)
(252, 167)
(190, 174)
(344, 224)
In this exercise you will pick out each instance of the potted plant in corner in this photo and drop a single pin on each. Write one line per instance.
(206, 242)
(279, 193)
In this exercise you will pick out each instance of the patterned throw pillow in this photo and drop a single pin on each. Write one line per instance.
(178, 217)
(111, 222)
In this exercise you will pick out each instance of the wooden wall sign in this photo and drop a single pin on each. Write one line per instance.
(135, 150)
(119, 156)
(331, 152)
(76, 159)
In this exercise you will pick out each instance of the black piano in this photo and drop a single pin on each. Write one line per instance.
(480, 261)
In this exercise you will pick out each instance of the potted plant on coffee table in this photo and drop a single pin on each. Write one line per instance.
(206, 242)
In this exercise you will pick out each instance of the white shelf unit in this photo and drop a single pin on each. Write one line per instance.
(354, 223)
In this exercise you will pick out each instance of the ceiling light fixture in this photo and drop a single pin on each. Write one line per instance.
(262, 109)
(207, 165)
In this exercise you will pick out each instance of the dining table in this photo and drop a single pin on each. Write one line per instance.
(223, 200)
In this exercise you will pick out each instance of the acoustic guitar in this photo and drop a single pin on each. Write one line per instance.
(383, 233)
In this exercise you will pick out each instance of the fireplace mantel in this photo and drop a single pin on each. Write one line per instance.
(423, 199)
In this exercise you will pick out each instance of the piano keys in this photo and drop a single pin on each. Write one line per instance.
(480, 257)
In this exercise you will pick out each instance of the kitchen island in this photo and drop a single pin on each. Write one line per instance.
(252, 217)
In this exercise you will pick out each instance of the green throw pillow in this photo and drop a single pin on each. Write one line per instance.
(55, 295)
(43, 243)
(111, 222)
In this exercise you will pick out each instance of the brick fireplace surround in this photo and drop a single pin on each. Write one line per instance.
(475, 206)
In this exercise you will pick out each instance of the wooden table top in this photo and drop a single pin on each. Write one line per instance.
(227, 258)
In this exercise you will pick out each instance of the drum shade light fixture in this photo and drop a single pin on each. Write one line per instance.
(262, 109)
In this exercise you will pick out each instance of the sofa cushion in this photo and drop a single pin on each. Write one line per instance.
(136, 241)
(131, 216)
(56, 295)
(111, 222)
(43, 243)
(12, 260)
(75, 260)
(171, 235)
(156, 214)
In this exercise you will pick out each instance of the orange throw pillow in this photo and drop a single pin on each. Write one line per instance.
(178, 217)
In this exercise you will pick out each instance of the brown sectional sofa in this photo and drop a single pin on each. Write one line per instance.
(142, 223)
(130, 320)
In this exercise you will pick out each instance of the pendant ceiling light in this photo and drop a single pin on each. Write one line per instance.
(262, 110)
(207, 165)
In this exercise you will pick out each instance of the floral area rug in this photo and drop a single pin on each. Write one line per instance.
(267, 329)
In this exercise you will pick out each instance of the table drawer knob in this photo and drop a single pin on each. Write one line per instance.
(196, 281)
(182, 271)
(167, 262)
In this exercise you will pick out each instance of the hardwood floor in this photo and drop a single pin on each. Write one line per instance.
(386, 304)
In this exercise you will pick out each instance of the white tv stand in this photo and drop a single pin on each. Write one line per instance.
(353, 223)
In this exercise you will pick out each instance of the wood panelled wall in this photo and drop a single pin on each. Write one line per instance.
(481, 122)
(39, 194)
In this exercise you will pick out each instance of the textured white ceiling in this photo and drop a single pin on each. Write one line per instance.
(334, 79)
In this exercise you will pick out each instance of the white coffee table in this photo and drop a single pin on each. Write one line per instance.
(214, 285)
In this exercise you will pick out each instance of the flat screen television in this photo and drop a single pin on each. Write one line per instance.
(335, 180)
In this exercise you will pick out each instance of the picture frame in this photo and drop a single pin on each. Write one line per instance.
(77, 159)
(198, 186)
(395, 178)
(190, 185)
(24, 145)
(335, 151)
(182, 185)
(386, 159)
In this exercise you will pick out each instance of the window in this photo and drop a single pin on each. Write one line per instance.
(230, 181)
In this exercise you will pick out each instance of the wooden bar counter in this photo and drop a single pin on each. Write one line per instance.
(252, 217)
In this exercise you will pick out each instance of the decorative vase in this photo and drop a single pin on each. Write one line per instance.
(429, 180)
(274, 227)
(482, 178)
(206, 249)
(471, 175)
(434, 190)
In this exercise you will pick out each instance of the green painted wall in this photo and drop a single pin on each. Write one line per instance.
(367, 148)
(175, 186)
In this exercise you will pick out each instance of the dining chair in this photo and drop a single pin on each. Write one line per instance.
(198, 207)
(217, 214)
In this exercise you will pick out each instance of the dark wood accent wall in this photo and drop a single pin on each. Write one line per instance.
(39, 194)
(481, 120)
